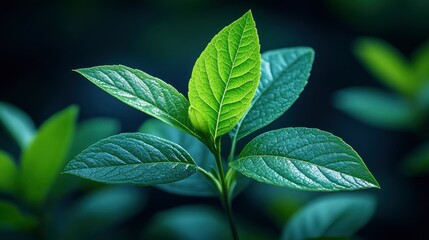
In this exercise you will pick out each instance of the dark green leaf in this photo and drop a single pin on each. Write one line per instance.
(284, 76)
(143, 92)
(375, 107)
(17, 123)
(42, 161)
(195, 185)
(304, 158)
(11, 217)
(339, 215)
(8, 173)
(225, 78)
(421, 63)
(134, 158)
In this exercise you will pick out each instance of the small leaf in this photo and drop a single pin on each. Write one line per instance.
(417, 162)
(42, 161)
(133, 158)
(331, 217)
(375, 107)
(225, 78)
(187, 222)
(284, 76)
(91, 131)
(387, 64)
(305, 159)
(195, 185)
(143, 92)
(8, 173)
(17, 123)
(11, 217)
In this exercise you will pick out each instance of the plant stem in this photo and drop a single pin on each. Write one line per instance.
(224, 194)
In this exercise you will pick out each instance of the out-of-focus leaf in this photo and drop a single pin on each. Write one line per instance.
(340, 215)
(188, 223)
(101, 209)
(417, 162)
(17, 123)
(8, 173)
(195, 185)
(375, 107)
(387, 64)
(11, 217)
(421, 63)
(133, 158)
(44, 158)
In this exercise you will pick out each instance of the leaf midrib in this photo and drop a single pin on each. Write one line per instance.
(229, 79)
(131, 165)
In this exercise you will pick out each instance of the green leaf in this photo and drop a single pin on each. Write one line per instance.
(417, 162)
(197, 184)
(225, 78)
(42, 161)
(102, 209)
(305, 159)
(387, 64)
(187, 222)
(91, 131)
(11, 217)
(17, 123)
(421, 63)
(339, 215)
(8, 173)
(375, 107)
(284, 75)
(134, 158)
(143, 92)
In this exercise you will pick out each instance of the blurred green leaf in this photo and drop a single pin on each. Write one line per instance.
(197, 184)
(375, 107)
(224, 78)
(91, 131)
(306, 159)
(421, 63)
(387, 64)
(339, 215)
(417, 162)
(12, 218)
(17, 123)
(134, 158)
(187, 223)
(284, 75)
(44, 158)
(101, 209)
(8, 173)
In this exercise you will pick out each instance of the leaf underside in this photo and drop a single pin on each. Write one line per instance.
(305, 159)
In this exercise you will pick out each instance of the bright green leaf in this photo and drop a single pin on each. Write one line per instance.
(304, 158)
(417, 162)
(375, 107)
(134, 158)
(44, 158)
(387, 64)
(421, 63)
(8, 173)
(195, 185)
(11, 217)
(225, 78)
(339, 215)
(17, 123)
(284, 76)
(143, 92)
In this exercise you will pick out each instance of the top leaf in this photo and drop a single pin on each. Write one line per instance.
(284, 76)
(143, 92)
(225, 78)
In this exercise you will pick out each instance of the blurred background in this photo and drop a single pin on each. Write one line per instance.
(41, 42)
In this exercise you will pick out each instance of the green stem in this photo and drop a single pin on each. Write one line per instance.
(224, 192)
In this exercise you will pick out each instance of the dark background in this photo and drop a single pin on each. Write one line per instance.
(41, 42)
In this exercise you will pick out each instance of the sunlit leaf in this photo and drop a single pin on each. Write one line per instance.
(17, 123)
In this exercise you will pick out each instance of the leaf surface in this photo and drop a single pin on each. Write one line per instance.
(225, 78)
(133, 158)
(305, 159)
(17, 123)
(284, 74)
(43, 159)
(8, 173)
(333, 216)
(12, 218)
